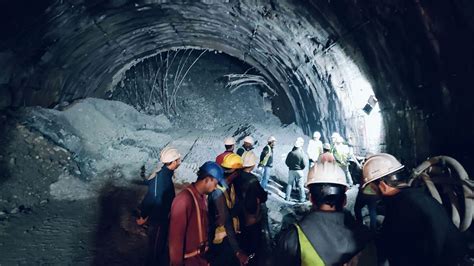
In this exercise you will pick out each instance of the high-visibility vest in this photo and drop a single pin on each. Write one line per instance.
(220, 232)
(309, 256)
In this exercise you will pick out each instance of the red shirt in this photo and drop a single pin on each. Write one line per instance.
(220, 157)
(184, 233)
(326, 157)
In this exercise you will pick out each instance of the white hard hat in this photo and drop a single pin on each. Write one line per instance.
(229, 141)
(329, 173)
(378, 166)
(316, 134)
(326, 146)
(299, 142)
(249, 158)
(248, 139)
(168, 155)
(335, 135)
(338, 139)
(271, 139)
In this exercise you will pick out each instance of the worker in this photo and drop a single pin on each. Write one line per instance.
(247, 146)
(155, 207)
(188, 236)
(334, 136)
(342, 154)
(326, 156)
(224, 222)
(416, 229)
(296, 164)
(229, 144)
(315, 148)
(252, 197)
(266, 161)
(325, 236)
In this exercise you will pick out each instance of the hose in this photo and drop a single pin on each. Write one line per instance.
(467, 186)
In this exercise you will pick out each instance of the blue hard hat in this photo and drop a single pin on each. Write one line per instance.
(211, 168)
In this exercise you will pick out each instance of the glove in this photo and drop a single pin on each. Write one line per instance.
(243, 258)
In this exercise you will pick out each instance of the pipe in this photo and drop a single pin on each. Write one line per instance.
(467, 186)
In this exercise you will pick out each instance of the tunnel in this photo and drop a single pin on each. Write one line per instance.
(92, 90)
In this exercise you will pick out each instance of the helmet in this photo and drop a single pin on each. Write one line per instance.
(271, 139)
(326, 146)
(168, 155)
(232, 161)
(316, 134)
(248, 139)
(211, 169)
(326, 173)
(299, 142)
(335, 135)
(338, 139)
(378, 166)
(249, 159)
(229, 141)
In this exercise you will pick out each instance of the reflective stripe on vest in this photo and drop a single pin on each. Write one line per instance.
(309, 256)
(220, 232)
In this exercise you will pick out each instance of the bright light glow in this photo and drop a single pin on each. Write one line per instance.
(353, 90)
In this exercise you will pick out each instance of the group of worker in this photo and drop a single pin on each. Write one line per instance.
(338, 152)
(217, 220)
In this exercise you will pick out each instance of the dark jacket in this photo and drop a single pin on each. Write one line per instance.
(157, 202)
(295, 159)
(335, 236)
(417, 231)
(242, 150)
(266, 157)
(249, 190)
(220, 214)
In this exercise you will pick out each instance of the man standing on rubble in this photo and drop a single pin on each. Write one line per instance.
(296, 164)
(315, 148)
(246, 147)
(155, 207)
(188, 237)
(266, 161)
(229, 144)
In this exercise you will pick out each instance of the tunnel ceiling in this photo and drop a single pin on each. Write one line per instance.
(68, 49)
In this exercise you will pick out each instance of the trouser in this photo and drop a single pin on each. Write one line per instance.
(265, 177)
(371, 202)
(348, 174)
(222, 254)
(295, 176)
(158, 245)
(251, 241)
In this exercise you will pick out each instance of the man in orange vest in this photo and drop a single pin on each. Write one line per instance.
(188, 234)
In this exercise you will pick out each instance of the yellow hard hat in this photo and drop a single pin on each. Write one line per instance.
(378, 166)
(327, 173)
(232, 161)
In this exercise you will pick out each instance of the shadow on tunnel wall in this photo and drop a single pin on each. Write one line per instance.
(5, 136)
(118, 240)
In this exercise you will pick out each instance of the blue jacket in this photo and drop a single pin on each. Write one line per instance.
(157, 202)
